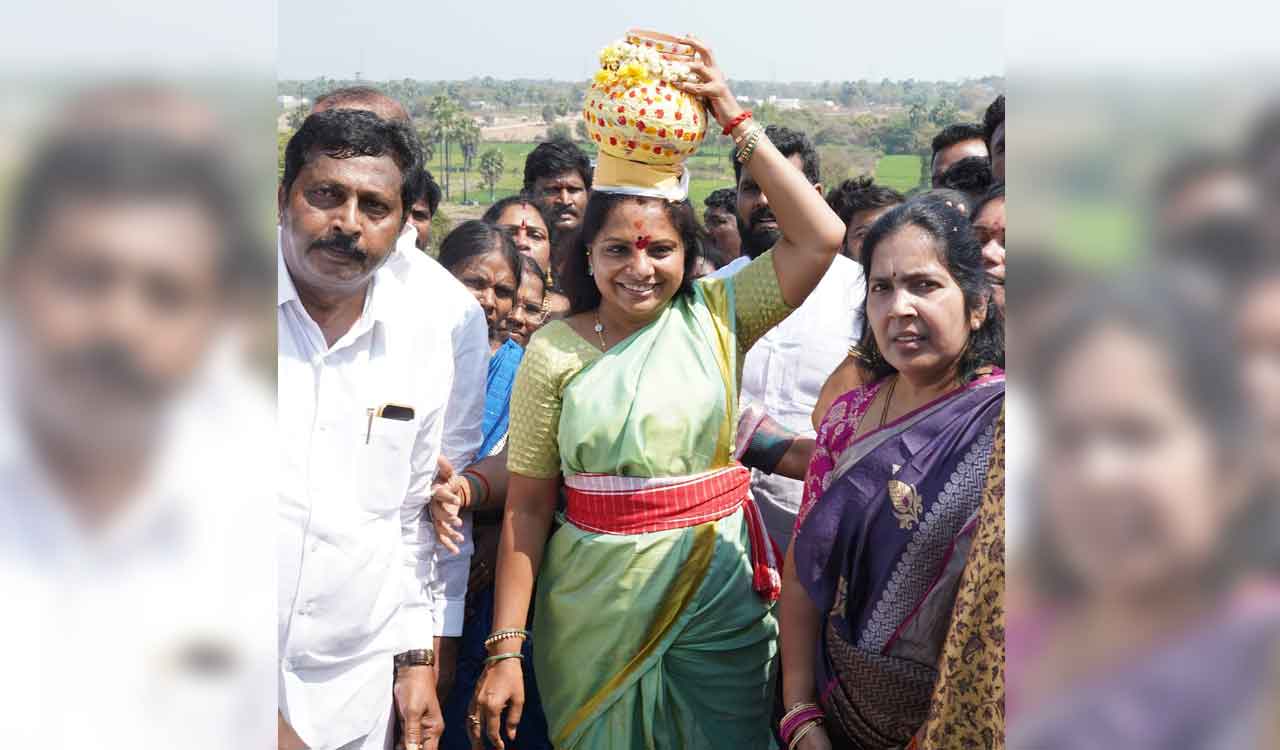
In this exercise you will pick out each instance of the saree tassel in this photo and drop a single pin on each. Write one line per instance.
(766, 578)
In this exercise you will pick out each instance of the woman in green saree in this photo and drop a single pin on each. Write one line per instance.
(654, 623)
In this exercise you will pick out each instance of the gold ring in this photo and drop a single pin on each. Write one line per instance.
(475, 720)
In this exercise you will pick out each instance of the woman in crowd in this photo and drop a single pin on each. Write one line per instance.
(654, 622)
(849, 374)
(527, 316)
(1142, 636)
(484, 259)
(520, 218)
(893, 489)
(988, 224)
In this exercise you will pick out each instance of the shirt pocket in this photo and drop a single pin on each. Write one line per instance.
(384, 464)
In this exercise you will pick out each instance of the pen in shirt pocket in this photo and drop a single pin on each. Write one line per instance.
(387, 411)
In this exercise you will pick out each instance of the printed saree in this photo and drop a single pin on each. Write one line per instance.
(654, 639)
(503, 366)
(881, 540)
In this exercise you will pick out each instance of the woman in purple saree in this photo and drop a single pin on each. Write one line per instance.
(893, 491)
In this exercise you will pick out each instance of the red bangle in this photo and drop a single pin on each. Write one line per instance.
(735, 122)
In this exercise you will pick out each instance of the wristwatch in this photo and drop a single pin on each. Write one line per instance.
(415, 657)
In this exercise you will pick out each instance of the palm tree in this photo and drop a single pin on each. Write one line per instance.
(467, 133)
(444, 121)
(491, 169)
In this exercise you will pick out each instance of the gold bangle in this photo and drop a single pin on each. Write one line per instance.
(744, 143)
(749, 149)
(502, 635)
(797, 708)
(802, 731)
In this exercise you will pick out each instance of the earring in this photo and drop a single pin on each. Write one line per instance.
(589, 271)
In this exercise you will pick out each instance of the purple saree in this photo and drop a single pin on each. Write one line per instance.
(880, 544)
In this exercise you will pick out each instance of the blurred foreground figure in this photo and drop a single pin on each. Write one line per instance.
(1150, 630)
(136, 530)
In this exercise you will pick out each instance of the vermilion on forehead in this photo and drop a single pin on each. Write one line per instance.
(524, 213)
(640, 224)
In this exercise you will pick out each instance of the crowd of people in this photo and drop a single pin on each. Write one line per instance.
(605, 475)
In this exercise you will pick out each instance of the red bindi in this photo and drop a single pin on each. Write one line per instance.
(642, 241)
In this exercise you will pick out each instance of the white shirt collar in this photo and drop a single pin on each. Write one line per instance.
(382, 302)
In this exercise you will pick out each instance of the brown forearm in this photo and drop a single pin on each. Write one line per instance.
(795, 462)
(800, 625)
(811, 232)
(493, 492)
(525, 524)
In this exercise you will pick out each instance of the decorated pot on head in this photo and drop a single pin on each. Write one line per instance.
(644, 128)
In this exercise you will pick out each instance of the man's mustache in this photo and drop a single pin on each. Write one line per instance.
(762, 215)
(342, 243)
(111, 364)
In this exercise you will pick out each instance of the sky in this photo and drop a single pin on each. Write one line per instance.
(782, 40)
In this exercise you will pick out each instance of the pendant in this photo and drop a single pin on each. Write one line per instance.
(599, 327)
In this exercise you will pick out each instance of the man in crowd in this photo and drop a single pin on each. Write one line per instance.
(364, 381)
(785, 369)
(962, 140)
(993, 134)
(721, 222)
(424, 208)
(133, 559)
(557, 174)
(446, 301)
(971, 176)
(859, 202)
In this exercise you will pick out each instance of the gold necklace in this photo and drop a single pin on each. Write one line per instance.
(888, 399)
(600, 330)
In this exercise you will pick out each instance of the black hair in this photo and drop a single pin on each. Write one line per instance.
(958, 200)
(1190, 168)
(971, 176)
(995, 192)
(426, 188)
(992, 119)
(114, 164)
(959, 250)
(860, 194)
(475, 238)
(531, 266)
(581, 288)
(958, 133)
(495, 211)
(1163, 311)
(725, 199)
(788, 142)
(346, 133)
(555, 157)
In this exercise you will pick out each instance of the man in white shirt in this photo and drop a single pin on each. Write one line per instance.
(446, 301)
(364, 380)
(136, 528)
(784, 370)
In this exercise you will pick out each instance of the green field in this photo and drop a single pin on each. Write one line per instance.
(711, 170)
(900, 172)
